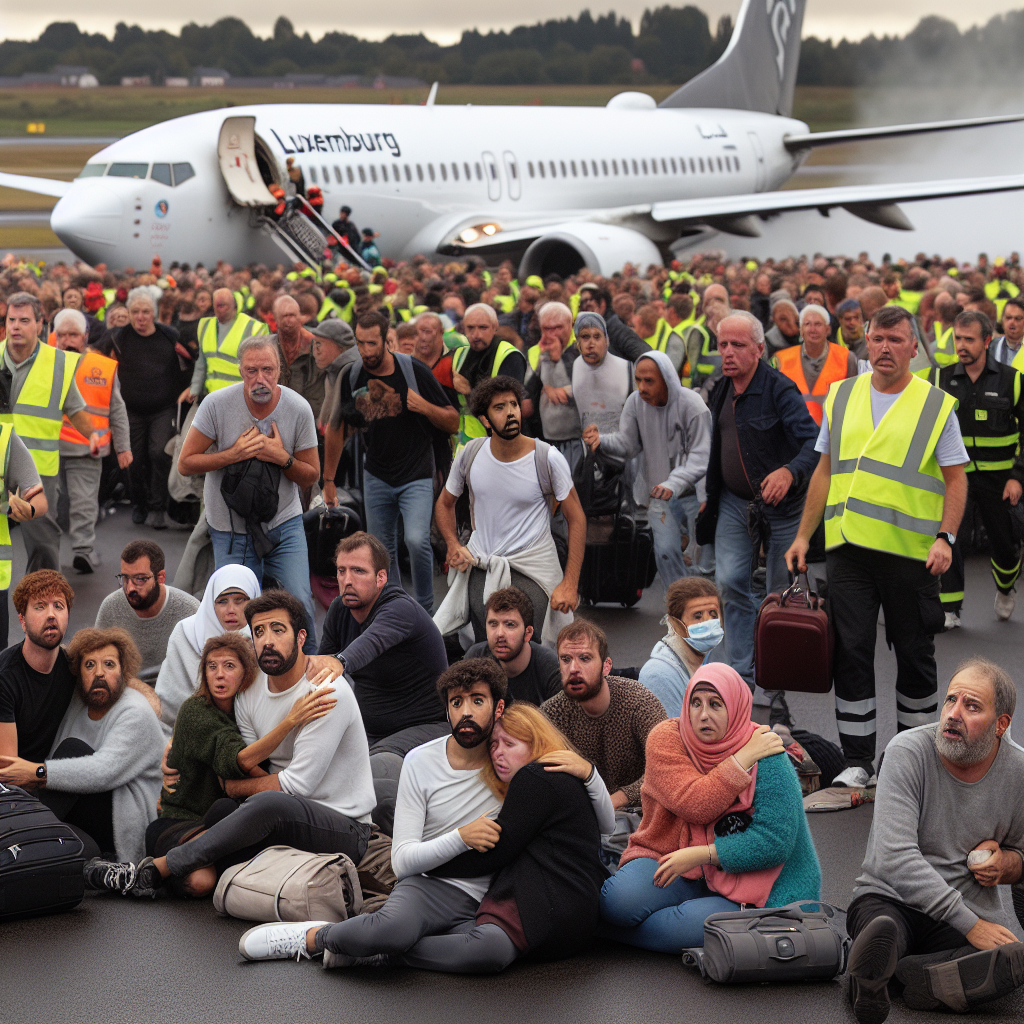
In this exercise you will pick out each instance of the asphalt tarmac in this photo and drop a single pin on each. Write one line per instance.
(116, 961)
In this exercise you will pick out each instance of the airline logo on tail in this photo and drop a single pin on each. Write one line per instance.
(780, 15)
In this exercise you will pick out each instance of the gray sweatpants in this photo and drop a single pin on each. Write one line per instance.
(42, 535)
(427, 923)
(80, 480)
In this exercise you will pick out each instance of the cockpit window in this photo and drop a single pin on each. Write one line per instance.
(92, 170)
(127, 170)
(161, 173)
(182, 172)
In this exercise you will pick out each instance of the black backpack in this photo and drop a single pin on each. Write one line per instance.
(250, 488)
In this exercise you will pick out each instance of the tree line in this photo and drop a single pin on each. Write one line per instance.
(670, 46)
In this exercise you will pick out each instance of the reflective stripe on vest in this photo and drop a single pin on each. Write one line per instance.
(94, 376)
(38, 412)
(533, 352)
(469, 425)
(886, 490)
(710, 361)
(6, 553)
(789, 362)
(989, 453)
(222, 360)
(944, 349)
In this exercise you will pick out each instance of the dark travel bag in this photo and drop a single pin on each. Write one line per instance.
(41, 858)
(803, 941)
(619, 570)
(793, 641)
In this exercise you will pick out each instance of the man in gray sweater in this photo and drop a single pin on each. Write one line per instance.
(948, 830)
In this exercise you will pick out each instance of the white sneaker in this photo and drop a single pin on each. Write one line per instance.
(279, 940)
(852, 778)
(1004, 605)
(953, 620)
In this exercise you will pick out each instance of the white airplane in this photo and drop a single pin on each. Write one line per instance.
(556, 188)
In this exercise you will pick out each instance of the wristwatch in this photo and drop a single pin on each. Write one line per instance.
(949, 538)
(288, 464)
(41, 772)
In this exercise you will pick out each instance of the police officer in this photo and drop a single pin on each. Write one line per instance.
(891, 488)
(40, 382)
(219, 338)
(990, 408)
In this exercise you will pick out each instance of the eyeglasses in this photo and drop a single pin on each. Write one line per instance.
(139, 579)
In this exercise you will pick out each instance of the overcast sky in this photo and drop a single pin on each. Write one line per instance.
(444, 22)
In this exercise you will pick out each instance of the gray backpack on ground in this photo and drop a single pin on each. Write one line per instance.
(803, 941)
(282, 884)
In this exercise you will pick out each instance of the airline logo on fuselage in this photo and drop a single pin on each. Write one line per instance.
(780, 16)
(345, 142)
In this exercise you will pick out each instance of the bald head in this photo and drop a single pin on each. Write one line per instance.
(224, 307)
(555, 312)
(716, 293)
(288, 316)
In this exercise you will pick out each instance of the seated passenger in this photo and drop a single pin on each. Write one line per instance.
(532, 670)
(723, 823)
(921, 910)
(606, 718)
(207, 747)
(319, 794)
(222, 610)
(543, 847)
(103, 774)
(694, 631)
(145, 605)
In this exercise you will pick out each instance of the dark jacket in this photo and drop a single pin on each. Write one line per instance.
(546, 861)
(393, 660)
(623, 341)
(760, 306)
(774, 429)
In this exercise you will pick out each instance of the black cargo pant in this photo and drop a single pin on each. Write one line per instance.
(151, 465)
(859, 582)
(985, 489)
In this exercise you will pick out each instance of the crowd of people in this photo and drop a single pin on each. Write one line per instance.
(830, 416)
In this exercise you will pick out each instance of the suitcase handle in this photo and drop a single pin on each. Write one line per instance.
(800, 586)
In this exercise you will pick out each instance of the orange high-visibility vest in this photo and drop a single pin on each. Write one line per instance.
(788, 361)
(94, 376)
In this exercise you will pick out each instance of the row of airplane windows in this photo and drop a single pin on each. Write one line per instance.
(604, 168)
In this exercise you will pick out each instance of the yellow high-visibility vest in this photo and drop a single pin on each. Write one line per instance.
(39, 411)
(469, 425)
(886, 489)
(6, 432)
(222, 360)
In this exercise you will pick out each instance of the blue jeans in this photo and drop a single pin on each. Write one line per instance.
(668, 520)
(734, 551)
(415, 502)
(635, 911)
(288, 563)
(704, 564)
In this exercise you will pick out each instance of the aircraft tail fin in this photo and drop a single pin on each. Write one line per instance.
(758, 69)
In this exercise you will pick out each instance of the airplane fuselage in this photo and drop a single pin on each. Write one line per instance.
(420, 176)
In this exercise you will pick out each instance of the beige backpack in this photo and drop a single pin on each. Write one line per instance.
(282, 884)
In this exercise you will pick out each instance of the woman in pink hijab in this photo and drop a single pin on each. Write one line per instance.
(723, 823)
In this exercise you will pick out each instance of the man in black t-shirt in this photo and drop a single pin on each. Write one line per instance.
(532, 671)
(400, 422)
(36, 681)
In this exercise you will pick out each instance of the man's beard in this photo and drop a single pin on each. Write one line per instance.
(46, 641)
(509, 431)
(469, 734)
(964, 752)
(274, 663)
(513, 652)
(592, 689)
(373, 362)
(141, 601)
(101, 695)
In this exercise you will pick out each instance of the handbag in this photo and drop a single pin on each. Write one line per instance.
(793, 641)
(803, 941)
(282, 884)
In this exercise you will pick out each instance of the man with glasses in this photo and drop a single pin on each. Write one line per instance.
(144, 605)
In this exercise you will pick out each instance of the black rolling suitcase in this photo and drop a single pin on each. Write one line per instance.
(619, 569)
(41, 858)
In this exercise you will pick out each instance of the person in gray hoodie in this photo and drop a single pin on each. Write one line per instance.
(671, 426)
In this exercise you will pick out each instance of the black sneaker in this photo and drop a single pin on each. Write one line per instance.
(110, 875)
(148, 880)
(873, 960)
(82, 564)
(964, 978)
(138, 515)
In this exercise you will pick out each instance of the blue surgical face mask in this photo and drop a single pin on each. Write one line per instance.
(704, 636)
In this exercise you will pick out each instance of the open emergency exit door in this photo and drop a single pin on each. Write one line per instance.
(236, 151)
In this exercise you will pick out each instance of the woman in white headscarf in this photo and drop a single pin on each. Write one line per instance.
(222, 610)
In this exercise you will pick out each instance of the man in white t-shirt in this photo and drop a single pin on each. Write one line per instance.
(512, 482)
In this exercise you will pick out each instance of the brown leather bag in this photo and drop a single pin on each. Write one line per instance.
(793, 641)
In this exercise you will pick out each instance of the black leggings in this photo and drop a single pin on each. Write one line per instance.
(90, 815)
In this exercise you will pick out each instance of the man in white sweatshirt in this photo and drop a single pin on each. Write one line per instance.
(319, 793)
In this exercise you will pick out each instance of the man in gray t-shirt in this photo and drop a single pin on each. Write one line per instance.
(258, 419)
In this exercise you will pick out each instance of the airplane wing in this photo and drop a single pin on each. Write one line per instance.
(799, 143)
(41, 186)
(875, 203)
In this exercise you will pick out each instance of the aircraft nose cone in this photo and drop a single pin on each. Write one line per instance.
(88, 221)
